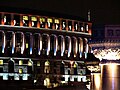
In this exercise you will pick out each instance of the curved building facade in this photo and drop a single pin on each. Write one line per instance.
(44, 50)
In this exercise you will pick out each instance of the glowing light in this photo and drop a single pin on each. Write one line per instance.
(69, 48)
(13, 43)
(3, 46)
(47, 82)
(62, 45)
(109, 54)
(48, 48)
(97, 81)
(23, 43)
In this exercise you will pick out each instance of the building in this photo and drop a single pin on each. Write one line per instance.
(42, 50)
(105, 41)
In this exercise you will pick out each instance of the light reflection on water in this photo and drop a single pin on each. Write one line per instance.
(109, 79)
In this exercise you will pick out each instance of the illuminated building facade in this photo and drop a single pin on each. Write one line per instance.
(43, 50)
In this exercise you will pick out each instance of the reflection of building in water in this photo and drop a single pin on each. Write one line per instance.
(48, 51)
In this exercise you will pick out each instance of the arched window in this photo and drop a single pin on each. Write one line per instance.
(10, 42)
(45, 44)
(74, 46)
(30, 66)
(16, 20)
(28, 43)
(61, 45)
(47, 82)
(33, 21)
(11, 66)
(68, 46)
(19, 43)
(2, 42)
(80, 46)
(75, 68)
(53, 44)
(62, 70)
(47, 67)
(37, 44)
(7, 19)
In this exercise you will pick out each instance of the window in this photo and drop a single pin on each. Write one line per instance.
(20, 62)
(76, 26)
(0, 18)
(7, 19)
(50, 23)
(16, 20)
(47, 67)
(25, 21)
(42, 22)
(86, 28)
(38, 63)
(30, 62)
(19, 41)
(9, 42)
(57, 24)
(28, 43)
(118, 32)
(110, 32)
(1, 62)
(20, 70)
(34, 21)
(70, 25)
(63, 25)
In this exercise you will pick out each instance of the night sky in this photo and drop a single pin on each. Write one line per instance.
(102, 11)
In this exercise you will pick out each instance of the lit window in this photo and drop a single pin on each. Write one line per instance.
(38, 63)
(47, 63)
(49, 20)
(57, 21)
(30, 62)
(86, 27)
(20, 70)
(25, 17)
(42, 19)
(20, 62)
(26, 45)
(4, 19)
(47, 82)
(82, 28)
(1, 62)
(33, 18)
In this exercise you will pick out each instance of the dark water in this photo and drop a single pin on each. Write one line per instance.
(108, 79)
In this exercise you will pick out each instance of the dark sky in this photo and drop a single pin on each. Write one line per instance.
(102, 11)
